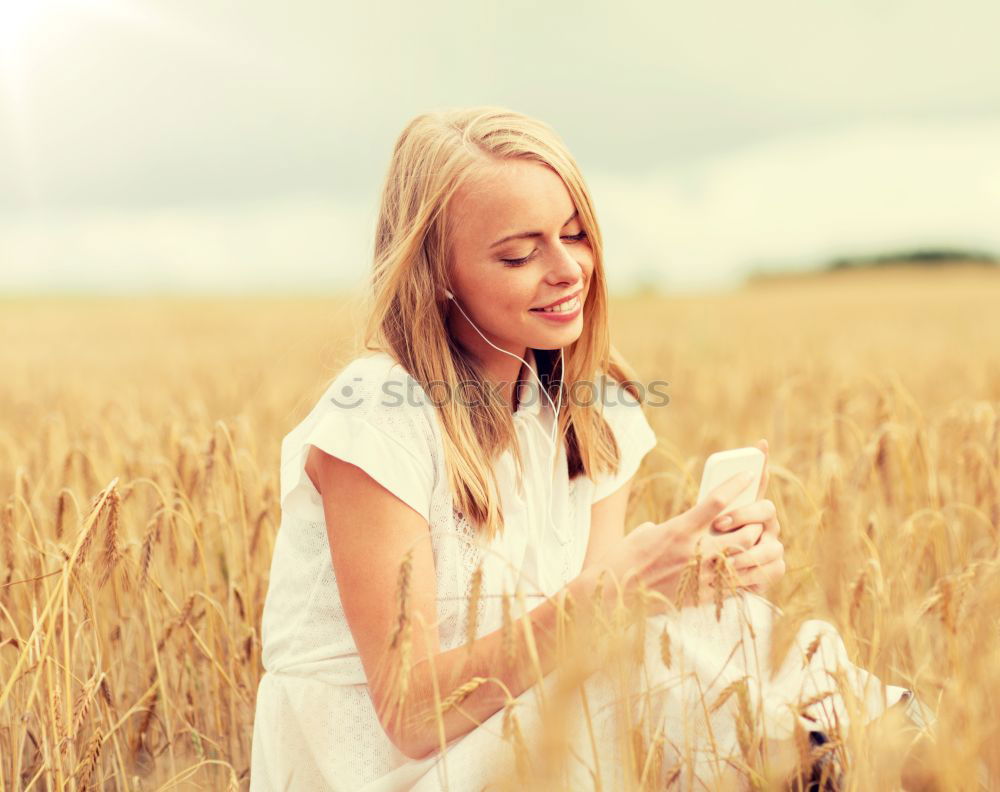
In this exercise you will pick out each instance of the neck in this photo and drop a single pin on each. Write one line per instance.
(507, 372)
(502, 372)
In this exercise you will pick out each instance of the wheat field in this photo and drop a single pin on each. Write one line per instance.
(139, 481)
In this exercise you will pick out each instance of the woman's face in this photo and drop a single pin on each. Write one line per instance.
(516, 245)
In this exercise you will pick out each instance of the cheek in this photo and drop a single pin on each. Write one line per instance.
(584, 256)
(509, 292)
(519, 293)
(587, 267)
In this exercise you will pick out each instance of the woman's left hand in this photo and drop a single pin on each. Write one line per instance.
(767, 556)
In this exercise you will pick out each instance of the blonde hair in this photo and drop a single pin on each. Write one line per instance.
(436, 153)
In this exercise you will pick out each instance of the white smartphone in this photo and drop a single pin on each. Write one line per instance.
(723, 465)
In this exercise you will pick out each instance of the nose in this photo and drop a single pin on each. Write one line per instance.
(564, 268)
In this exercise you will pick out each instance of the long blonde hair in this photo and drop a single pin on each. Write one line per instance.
(434, 155)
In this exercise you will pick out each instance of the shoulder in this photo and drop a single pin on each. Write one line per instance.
(377, 388)
(371, 369)
(616, 403)
(373, 415)
(626, 417)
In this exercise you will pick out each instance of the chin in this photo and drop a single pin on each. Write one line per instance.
(564, 340)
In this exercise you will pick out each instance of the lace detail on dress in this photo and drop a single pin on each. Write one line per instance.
(458, 549)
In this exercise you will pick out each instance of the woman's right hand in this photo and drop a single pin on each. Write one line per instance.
(656, 554)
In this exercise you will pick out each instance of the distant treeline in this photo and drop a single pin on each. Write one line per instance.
(923, 257)
(930, 257)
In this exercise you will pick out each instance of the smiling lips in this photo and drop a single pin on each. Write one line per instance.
(566, 306)
(566, 303)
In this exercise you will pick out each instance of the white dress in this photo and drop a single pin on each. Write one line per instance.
(315, 726)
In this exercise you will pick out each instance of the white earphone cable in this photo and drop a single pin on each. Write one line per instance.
(555, 420)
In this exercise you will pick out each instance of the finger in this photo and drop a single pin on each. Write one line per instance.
(761, 578)
(768, 572)
(766, 551)
(699, 515)
(760, 511)
(763, 446)
(772, 526)
(735, 542)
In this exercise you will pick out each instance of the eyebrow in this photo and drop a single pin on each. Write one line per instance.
(525, 234)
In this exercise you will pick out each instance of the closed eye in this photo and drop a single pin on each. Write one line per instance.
(519, 262)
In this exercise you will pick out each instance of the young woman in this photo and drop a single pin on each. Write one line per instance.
(485, 445)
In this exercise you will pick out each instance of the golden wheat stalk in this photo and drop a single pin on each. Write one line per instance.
(61, 499)
(146, 556)
(811, 649)
(665, 649)
(688, 587)
(456, 697)
(473, 608)
(47, 616)
(112, 553)
(401, 642)
(90, 757)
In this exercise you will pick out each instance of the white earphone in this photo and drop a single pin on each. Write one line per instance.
(555, 420)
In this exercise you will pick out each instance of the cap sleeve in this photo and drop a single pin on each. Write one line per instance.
(634, 435)
(373, 418)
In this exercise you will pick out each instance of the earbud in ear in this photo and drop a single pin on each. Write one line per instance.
(449, 295)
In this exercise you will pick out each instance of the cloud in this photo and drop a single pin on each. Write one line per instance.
(797, 202)
(791, 203)
(143, 103)
(303, 244)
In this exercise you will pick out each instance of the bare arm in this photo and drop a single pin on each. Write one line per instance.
(607, 524)
(371, 532)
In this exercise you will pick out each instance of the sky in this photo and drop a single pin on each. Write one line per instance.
(238, 147)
